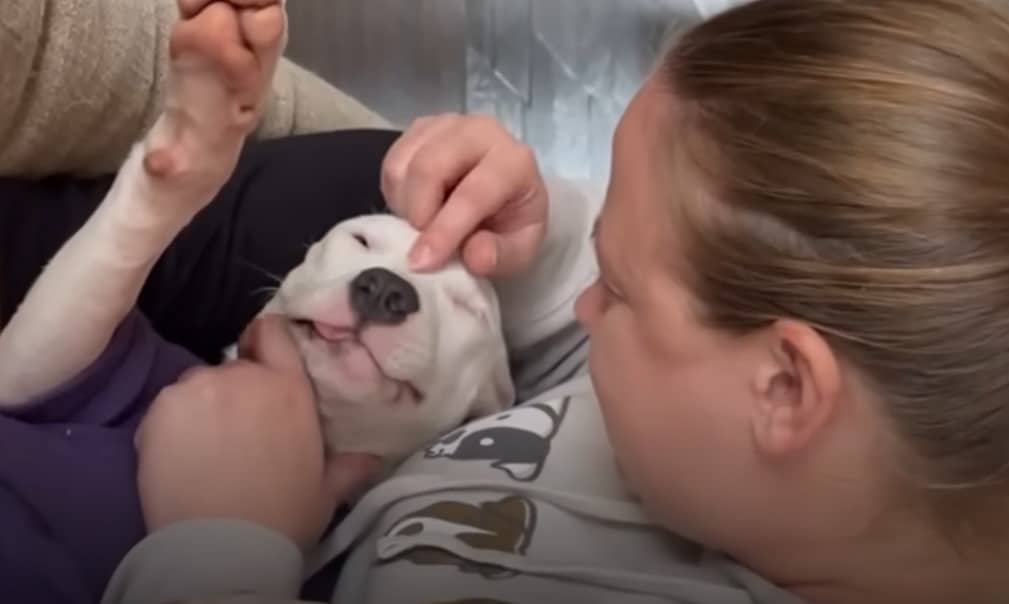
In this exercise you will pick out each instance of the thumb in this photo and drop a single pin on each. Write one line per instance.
(347, 474)
(481, 253)
(267, 341)
(492, 254)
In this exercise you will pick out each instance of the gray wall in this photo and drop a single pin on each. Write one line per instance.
(557, 72)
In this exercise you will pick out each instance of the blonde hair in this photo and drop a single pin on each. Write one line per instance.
(859, 150)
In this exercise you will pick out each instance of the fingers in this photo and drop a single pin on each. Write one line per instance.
(264, 30)
(490, 254)
(190, 8)
(215, 35)
(267, 341)
(243, 38)
(504, 177)
(416, 206)
(347, 474)
(469, 186)
(481, 253)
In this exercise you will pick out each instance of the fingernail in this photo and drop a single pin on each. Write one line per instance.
(421, 257)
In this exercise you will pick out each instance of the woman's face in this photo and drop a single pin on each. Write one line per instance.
(675, 394)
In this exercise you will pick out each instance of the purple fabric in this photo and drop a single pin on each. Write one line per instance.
(69, 509)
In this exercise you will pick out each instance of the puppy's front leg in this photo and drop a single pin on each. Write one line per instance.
(223, 58)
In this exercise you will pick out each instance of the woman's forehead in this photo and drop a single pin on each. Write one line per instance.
(651, 183)
(644, 182)
(632, 237)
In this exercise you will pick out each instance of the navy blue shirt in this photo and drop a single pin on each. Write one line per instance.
(69, 508)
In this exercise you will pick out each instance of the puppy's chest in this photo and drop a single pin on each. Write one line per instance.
(391, 431)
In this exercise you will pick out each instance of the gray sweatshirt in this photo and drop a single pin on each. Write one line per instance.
(524, 506)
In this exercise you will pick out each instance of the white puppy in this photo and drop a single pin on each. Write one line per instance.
(396, 357)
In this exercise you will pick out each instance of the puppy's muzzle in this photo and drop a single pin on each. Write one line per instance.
(380, 296)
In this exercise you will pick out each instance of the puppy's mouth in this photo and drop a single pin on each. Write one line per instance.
(340, 338)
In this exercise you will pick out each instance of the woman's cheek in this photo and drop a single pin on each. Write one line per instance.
(589, 305)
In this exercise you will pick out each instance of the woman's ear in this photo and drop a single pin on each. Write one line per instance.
(797, 386)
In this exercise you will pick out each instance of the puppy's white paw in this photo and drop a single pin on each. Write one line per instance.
(223, 57)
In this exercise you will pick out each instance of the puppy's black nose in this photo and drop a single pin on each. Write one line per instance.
(381, 296)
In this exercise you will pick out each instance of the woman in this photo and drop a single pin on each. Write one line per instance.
(797, 348)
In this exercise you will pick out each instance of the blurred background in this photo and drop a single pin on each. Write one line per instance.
(557, 72)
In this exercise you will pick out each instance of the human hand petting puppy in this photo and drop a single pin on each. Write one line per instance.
(470, 187)
(253, 448)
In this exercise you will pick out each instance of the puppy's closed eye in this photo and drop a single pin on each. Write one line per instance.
(362, 240)
(469, 306)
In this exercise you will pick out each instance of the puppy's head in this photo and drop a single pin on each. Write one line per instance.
(396, 357)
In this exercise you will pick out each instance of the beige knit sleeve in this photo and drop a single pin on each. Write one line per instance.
(81, 80)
